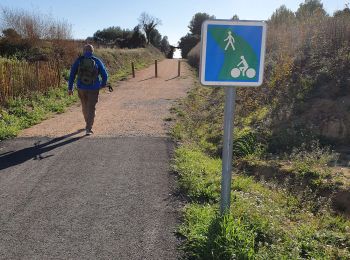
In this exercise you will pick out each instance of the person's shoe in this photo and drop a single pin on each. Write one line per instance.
(89, 132)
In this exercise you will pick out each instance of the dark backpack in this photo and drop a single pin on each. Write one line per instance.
(87, 71)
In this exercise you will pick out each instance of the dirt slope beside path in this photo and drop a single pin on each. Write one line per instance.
(137, 107)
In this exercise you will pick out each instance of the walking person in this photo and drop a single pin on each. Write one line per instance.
(89, 69)
(230, 41)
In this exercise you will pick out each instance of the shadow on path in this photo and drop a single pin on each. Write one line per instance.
(153, 77)
(35, 152)
(172, 78)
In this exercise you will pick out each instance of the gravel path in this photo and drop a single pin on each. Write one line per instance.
(64, 195)
(137, 107)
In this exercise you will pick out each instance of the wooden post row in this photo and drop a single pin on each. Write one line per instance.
(156, 69)
(133, 69)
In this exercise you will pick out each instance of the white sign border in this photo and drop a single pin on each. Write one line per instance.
(204, 48)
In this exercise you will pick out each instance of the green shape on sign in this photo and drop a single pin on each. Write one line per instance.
(234, 67)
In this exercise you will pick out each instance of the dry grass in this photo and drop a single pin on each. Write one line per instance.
(324, 33)
(20, 78)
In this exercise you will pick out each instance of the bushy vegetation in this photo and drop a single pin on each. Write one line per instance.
(118, 37)
(306, 75)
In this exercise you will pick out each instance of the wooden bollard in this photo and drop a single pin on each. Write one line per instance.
(179, 68)
(156, 68)
(37, 74)
(133, 69)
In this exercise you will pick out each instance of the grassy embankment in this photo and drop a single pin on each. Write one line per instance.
(268, 219)
(290, 200)
(32, 107)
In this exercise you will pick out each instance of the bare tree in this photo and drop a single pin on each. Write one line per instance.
(148, 24)
(34, 25)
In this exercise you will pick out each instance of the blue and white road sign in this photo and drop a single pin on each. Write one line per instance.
(232, 53)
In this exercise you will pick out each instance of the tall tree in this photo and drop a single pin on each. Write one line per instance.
(187, 43)
(114, 35)
(196, 22)
(108, 35)
(343, 13)
(137, 39)
(310, 8)
(164, 45)
(148, 24)
(282, 15)
(190, 40)
(155, 38)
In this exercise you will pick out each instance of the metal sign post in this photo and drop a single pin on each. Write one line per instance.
(232, 55)
(227, 149)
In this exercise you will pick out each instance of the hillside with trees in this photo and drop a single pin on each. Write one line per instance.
(306, 86)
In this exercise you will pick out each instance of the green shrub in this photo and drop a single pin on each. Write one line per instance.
(312, 156)
(310, 162)
(245, 143)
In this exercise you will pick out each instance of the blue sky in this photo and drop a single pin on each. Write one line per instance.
(88, 16)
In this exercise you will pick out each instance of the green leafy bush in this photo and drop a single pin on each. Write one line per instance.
(246, 143)
(310, 162)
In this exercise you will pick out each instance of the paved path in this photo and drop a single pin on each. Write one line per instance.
(107, 196)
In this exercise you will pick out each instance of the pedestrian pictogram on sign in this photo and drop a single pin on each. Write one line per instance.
(232, 53)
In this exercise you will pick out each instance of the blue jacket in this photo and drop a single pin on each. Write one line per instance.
(101, 72)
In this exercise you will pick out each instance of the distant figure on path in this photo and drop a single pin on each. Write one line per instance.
(230, 41)
(88, 68)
